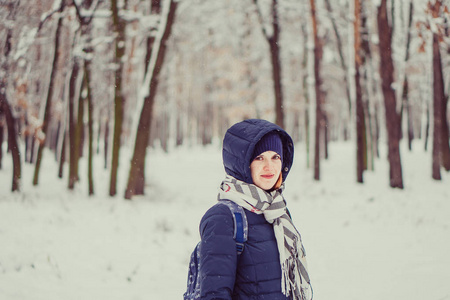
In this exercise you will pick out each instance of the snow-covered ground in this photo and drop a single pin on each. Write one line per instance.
(363, 242)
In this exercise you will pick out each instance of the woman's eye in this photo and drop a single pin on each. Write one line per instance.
(276, 157)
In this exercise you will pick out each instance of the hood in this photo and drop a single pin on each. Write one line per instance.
(239, 143)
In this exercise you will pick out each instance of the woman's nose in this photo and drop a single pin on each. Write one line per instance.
(267, 165)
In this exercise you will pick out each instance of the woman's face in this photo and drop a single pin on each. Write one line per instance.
(266, 169)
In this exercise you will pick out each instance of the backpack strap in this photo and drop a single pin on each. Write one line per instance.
(240, 234)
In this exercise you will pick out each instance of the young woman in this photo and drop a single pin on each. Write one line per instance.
(257, 156)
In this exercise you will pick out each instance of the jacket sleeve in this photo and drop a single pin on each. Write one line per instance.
(218, 254)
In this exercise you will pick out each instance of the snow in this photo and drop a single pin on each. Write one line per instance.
(363, 241)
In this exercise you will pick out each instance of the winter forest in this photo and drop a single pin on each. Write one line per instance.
(86, 78)
(107, 100)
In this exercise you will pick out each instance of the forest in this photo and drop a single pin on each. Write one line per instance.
(81, 79)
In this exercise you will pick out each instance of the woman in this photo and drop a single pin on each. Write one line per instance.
(257, 156)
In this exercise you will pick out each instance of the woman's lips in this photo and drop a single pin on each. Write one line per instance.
(269, 176)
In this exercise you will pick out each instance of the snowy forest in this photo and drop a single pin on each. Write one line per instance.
(106, 101)
(86, 78)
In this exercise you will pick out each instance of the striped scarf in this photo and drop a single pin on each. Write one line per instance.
(295, 280)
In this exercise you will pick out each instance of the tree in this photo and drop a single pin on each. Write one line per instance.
(340, 50)
(441, 149)
(5, 107)
(436, 25)
(387, 79)
(119, 25)
(136, 179)
(85, 36)
(273, 41)
(74, 140)
(405, 92)
(318, 51)
(51, 87)
(90, 105)
(2, 131)
(361, 148)
(307, 123)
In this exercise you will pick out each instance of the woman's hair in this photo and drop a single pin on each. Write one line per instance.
(279, 182)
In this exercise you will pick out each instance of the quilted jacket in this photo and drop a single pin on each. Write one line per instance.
(256, 273)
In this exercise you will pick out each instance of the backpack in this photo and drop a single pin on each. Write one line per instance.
(240, 236)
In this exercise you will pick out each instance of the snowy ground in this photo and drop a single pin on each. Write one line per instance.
(363, 242)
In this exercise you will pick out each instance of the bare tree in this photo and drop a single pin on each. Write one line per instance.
(119, 25)
(85, 36)
(318, 51)
(74, 134)
(405, 93)
(438, 100)
(90, 105)
(340, 50)
(5, 107)
(2, 132)
(441, 150)
(273, 41)
(307, 122)
(387, 79)
(360, 120)
(136, 179)
(51, 88)
(438, 10)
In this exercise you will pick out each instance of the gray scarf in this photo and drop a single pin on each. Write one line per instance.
(295, 279)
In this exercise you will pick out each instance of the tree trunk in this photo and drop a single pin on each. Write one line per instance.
(445, 135)
(427, 128)
(2, 130)
(106, 143)
(5, 108)
(73, 148)
(48, 103)
(79, 132)
(440, 137)
(87, 83)
(444, 138)
(180, 130)
(119, 31)
(377, 132)
(405, 93)
(62, 157)
(136, 179)
(341, 55)
(370, 138)
(387, 79)
(12, 136)
(360, 120)
(273, 41)
(306, 95)
(318, 90)
(206, 124)
(407, 106)
(276, 66)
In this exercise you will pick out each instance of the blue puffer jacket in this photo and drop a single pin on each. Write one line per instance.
(256, 273)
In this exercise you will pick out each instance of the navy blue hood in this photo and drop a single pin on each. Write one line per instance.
(239, 143)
